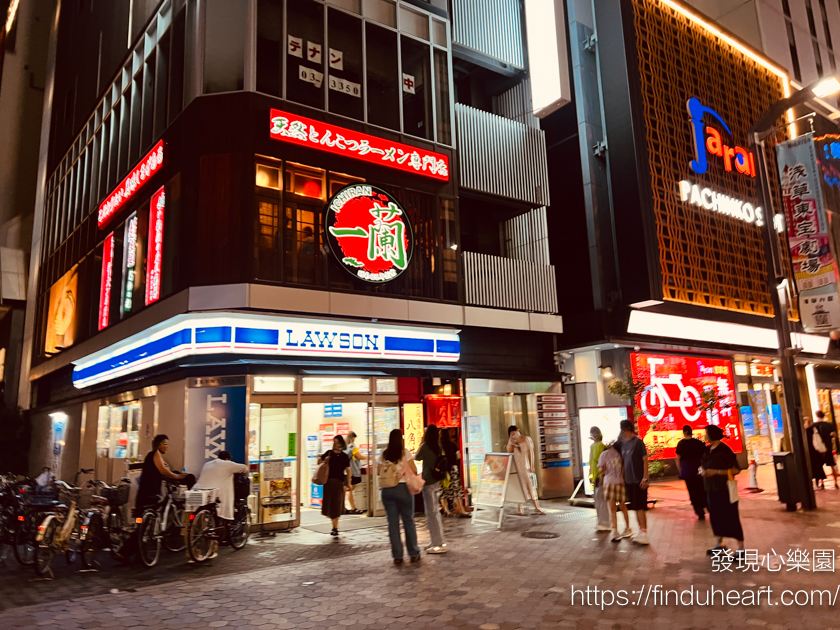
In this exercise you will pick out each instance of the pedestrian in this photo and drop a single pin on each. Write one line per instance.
(428, 454)
(816, 453)
(636, 477)
(611, 467)
(332, 505)
(396, 498)
(719, 465)
(218, 474)
(597, 480)
(689, 453)
(452, 498)
(355, 471)
(522, 447)
(827, 434)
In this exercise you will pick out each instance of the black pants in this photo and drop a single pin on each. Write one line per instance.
(697, 494)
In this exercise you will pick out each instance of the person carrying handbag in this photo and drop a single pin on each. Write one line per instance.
(398, 481)
(338, 478)
(718, 467)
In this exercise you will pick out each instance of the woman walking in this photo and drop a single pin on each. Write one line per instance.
(452, 499)
(332, 505)
(397, 499)
(717, 466)
(522, 448)
(428, 454)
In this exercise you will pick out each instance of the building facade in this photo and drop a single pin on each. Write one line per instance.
(268, 222)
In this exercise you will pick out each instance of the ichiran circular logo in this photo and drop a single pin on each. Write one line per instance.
(369, 233)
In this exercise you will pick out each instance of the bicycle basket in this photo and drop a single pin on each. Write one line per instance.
(241, 487)
(85, 495)
(196, 498)
(117, 495)
(68, 495)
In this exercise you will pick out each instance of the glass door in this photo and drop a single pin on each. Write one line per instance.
(273, 443)
(117, 440)
(385, 419)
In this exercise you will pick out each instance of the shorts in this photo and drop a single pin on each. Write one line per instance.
(614, 494)
(636, 497)
(355, 481)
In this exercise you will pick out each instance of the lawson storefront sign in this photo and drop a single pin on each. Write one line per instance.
(245, 334)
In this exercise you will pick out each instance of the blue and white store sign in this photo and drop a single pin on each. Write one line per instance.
(241, 333)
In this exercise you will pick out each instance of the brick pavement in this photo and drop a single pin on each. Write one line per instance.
(489, 580)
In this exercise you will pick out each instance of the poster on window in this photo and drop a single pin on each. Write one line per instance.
(684, 390)
(216, 421)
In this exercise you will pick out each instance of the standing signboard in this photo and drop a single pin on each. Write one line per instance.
(496, 489)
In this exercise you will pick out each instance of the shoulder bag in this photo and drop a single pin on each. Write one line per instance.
(322, 473)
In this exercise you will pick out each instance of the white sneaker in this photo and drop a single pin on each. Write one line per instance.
(603, 528)
(616, 537)
(626, 533)
(641, 538)
(436, 550)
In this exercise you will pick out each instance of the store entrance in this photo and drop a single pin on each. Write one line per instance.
(272, 441)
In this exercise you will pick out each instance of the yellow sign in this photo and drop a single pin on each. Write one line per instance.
(413, 422)
(61, 325)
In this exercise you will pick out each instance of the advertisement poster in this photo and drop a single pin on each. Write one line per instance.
(61, 322)
(444, 411)
(673, 397)
(608, 419)
(216, 418)
(493, 479)
(413, 425)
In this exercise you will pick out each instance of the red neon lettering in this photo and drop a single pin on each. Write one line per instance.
(713, 142)
(133, 182)
(105, 282)
(155, 246)
(744, 160)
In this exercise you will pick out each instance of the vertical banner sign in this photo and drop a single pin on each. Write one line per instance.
(413, 426)
(673, 397)
(443, 411)
(130, 262)
(105, 281)
(155, 263)
(808, 234)
(216, 421)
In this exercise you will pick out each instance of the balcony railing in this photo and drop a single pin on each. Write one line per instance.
(498, 282)
(491, 27)
(501, 157)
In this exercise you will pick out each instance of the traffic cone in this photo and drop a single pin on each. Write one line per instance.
(754, 478)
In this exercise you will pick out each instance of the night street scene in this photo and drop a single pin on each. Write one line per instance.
(419, 314)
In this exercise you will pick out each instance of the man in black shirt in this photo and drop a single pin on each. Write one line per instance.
(689, 452)
(827, 434)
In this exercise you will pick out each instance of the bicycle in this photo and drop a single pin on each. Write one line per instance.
(206, 529)
(33, 501)
(61, 529)
(103, 517)
(161, 525)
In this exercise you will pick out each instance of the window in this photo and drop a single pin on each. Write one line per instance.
(285, 384)
(812, 27)
(831, 60)
(416, 92)
(382, 84)
(449, 249)
(794, 55)
(442, 97)
(269, 35)
(305, 53)
(268, 240)
(303, 231)
(224, 45)
(335, 384)
(345, 64)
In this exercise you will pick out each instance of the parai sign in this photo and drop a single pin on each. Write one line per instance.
(369, 233)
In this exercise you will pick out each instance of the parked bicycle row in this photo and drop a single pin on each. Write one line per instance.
(43, 518)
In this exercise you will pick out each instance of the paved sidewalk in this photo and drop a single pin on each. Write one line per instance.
(489, 580)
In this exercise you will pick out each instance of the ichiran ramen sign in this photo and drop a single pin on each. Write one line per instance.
(369, 233)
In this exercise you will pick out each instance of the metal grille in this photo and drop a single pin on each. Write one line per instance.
(526, 237)
(519, 285)
(516, 104)
(491, 27)
(501, 157)
(706, 258)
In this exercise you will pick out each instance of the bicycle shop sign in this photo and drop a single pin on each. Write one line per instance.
(675, 390)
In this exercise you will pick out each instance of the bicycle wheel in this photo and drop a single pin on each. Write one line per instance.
(25, 541)
(148, 538)
(92, 543)
(74, 545)
(173, 537)
(45, 550)
(199, 543)
(117, 537)
(239, 529)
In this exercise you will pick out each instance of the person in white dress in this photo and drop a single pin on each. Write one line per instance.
(218, 474)
(522, 447)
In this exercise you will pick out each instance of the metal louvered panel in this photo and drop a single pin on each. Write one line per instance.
(501, 157)
(496, 282)
(516, 104)
(526, 237)
(491, 27)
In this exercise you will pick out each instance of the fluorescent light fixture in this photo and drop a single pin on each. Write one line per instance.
(645, 304)
(545, 24)
(674, 327)
(826, 87)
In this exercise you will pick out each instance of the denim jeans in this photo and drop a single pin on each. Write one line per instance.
(431, 505)
(398, 502)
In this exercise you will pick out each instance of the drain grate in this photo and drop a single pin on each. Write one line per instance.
(577, 514)
(540, 535)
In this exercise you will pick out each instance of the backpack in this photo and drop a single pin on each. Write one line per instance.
(389, 475)
(818, 443)
(441, 468)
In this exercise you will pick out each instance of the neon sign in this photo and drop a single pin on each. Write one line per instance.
(709, 140)
(707, 198)
(133, 182)
(105, 282)
(369, 233)
(130, 261)
(315, 134)
(155, 264)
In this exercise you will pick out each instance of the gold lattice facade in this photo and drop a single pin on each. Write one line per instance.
(706, 258)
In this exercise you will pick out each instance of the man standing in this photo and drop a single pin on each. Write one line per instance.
(689, 453)
(636, 477)
(828, 435)
(355, 471)
(597, 479)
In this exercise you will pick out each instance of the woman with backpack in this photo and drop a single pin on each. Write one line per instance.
(434, 469)
(394, 463)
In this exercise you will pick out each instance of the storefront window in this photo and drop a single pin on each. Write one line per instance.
(305, 53)
(285, 384)
(386, 386)
(278, 448)
(416, 92)
(303, 232)
(342, 384)
(268, 177)
(488, 419)
(117, 438)
(382, 81)
(345, 64)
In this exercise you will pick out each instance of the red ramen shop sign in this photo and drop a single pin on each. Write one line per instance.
(369, 233)
(134, 181)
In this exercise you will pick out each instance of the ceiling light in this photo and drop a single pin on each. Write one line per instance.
(826, 87)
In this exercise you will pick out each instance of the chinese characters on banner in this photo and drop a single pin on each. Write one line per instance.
(413, 425)
(443, 411)
(808, 234)
(672, 398)
(322, 136)
(155, 264)
(369, 233)
(135, 180)
(105, 281)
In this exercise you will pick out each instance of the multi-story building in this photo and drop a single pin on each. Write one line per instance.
(269, 221)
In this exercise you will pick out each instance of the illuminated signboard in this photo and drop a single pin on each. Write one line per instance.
(130, 262)
(718, 202)
(155, 246)
(369, 233)
(247, 334)
(61, 318)
(105, 281)
(673, 397)
(739, 157)
(133, 182)
(318, 135)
